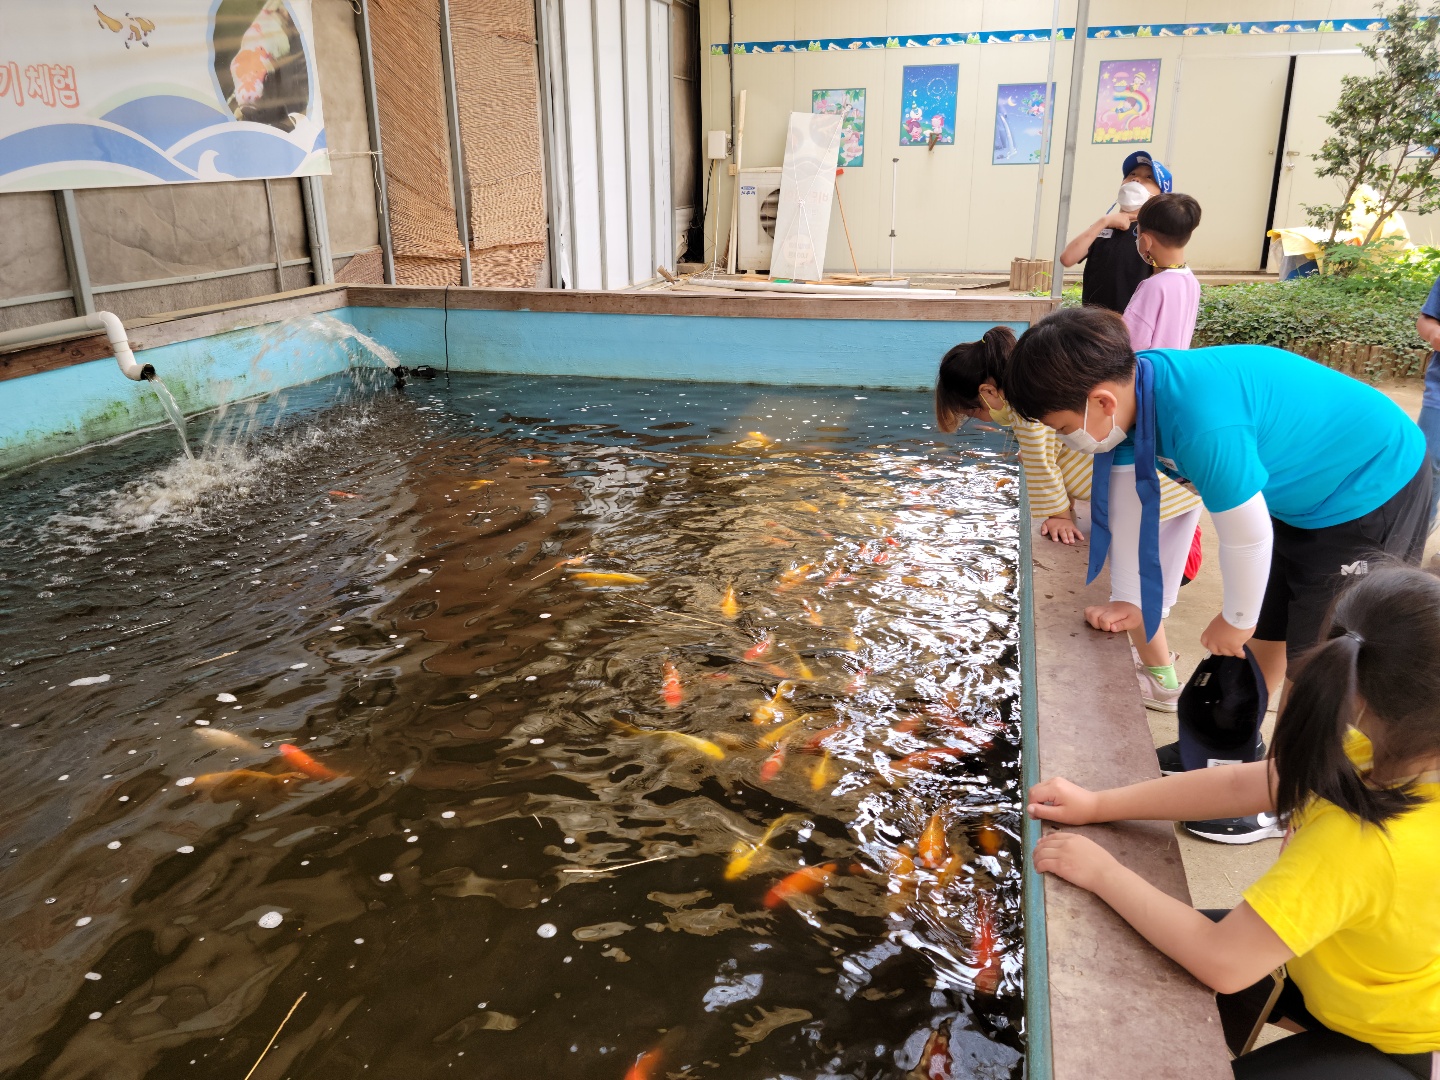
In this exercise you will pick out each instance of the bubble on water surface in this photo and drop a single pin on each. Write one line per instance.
(185, 781)
(271, 919)
(113, 845)
(386, 876)
(91, 680)
(93, 976)
(84, 920)
(297, 667)
(96, 1015)
(186, 849)
(547, 930)
(226, 698)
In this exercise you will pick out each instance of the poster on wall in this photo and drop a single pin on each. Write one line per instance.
(849, 105)
(1020, 123)
(927, 104)
(171, 92)
(1125, 101)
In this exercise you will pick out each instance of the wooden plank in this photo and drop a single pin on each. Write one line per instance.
(1027, 309)
(1158, 1021)
(166, 329)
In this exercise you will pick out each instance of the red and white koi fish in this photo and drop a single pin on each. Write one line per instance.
(670, 688)
(933, 849)
(263, 46)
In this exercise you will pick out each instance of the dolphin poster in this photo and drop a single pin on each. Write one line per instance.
(100, 94)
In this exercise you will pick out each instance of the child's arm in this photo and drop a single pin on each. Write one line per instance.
(1226, 956)
(1222, 791)
(1043, 481)
(1077, 249)
(1141, 315)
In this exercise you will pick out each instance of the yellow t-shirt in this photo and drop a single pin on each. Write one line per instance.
(1360, 908)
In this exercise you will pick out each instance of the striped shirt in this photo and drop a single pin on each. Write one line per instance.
(1056, 475)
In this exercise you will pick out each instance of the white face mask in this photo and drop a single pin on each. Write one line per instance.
(1082, 442)
(1133, 195)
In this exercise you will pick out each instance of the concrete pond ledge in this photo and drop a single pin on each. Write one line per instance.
(1118, 1008)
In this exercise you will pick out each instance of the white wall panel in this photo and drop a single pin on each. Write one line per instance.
(578, 124)
(662, 204)
(637, 144)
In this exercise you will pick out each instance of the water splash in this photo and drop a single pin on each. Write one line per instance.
(172, 410)
(336, 330)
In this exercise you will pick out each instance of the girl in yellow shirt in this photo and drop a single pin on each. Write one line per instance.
(1057, 478)
(1352, 906)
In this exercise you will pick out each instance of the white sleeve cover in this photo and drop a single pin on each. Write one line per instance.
(1246, 537)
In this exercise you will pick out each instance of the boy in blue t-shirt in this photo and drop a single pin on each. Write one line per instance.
(1307, 473)
(1428, 327)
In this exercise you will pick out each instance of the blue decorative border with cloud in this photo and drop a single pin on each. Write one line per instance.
(1065, 33)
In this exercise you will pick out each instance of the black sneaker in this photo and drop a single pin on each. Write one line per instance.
(1236, 830)
(1169, 756)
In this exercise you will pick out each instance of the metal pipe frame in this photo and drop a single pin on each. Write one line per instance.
(457, 149)
(600, 144)
(625, 130)
(74, 244)
(547, 141)
(372, 114)
(317, 230)
(1072, 125)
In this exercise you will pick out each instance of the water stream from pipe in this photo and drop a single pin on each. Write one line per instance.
(172, 410)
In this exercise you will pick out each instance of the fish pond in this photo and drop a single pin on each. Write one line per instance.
(507, 726)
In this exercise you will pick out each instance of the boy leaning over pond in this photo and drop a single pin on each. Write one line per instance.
(1428, 327)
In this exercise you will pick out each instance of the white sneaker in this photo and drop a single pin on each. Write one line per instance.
(1239, 830)
(1156, 695)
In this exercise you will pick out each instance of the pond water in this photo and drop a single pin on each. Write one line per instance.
(515, 727)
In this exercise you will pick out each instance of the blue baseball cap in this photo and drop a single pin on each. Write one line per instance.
(1159, 172)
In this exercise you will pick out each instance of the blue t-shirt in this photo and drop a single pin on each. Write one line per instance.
(1432, 373)
(1239, 419)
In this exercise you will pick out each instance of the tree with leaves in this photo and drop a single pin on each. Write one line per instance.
(1386, 126)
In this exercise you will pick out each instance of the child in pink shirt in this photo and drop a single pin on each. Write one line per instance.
(1161, 314)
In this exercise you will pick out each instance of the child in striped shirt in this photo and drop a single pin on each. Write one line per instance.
(1058, 478)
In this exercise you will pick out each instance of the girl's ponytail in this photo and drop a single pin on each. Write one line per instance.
(1382, 649)
(964, 369)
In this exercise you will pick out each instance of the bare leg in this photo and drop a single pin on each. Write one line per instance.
(1156, 651)
(1271, 656)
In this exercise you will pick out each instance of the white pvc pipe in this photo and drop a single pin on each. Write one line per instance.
(100, 320)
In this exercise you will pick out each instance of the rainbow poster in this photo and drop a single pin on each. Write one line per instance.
(1125, 101)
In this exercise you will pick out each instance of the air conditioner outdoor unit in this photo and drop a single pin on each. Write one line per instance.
(759, 203)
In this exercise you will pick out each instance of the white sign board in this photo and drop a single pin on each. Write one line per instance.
(807, 188)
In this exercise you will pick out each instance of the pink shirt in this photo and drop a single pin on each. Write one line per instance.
(1161, 314)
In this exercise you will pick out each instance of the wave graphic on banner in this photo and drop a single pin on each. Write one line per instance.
(164, 138)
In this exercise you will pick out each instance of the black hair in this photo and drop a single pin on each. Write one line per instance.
(1171, 217)
(1382, 642)
(964, 369)
(1059, 360)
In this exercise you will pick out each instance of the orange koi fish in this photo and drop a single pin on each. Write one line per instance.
(988, 838)
(774, 763)
(670, 688)
(792, 577)
(881, 558)
(303, 762)
(936, 1056)
(775, 670)
(987, 979)
(856, 684)
(901, 885)
(802, 670)
(817, 741)
(812, 614)
(932, 848)
(238, 783)
(837, 577)
(760, 648)
(927, 759)
(909, 725)
(646, 1066)
(729, 606)
(803, 882)
(821, 772)
(342, 494)
(892, 541)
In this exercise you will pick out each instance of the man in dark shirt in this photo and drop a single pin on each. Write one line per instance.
(1113, 267)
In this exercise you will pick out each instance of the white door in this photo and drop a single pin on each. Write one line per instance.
(1228, 167)
(608, 73)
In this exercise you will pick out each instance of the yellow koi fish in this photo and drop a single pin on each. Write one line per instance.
(772, 711)
(744, 854)
(729, 606)
(802, 670)
(792, 577)
(821, 773)
(590, 577)
(774, 735)
(693, 742)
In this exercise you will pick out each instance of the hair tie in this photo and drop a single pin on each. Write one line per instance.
(1352, 634)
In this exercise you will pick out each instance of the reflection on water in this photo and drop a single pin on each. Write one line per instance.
(527, 728)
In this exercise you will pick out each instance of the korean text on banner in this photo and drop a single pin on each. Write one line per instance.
(99, 95)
